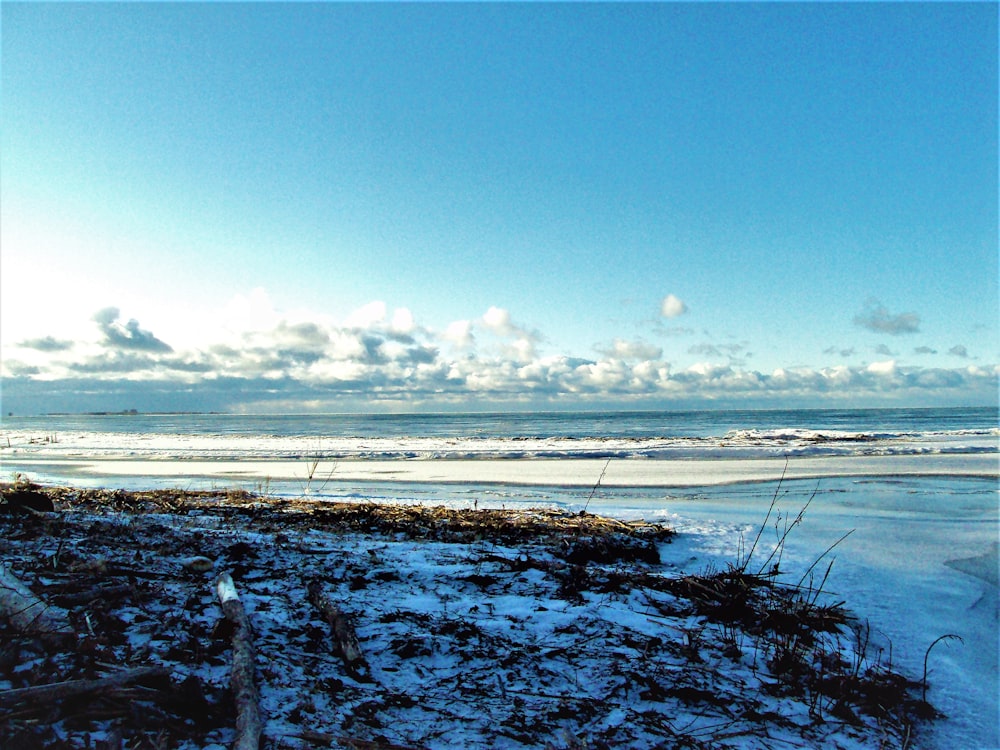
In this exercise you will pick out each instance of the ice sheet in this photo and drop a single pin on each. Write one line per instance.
(541, 471)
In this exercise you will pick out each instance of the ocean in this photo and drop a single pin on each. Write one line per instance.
(635, 424)
(570, 434)
(196, 449)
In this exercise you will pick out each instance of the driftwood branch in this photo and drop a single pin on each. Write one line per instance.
(28, 613)
(100, 592)
(75, 688)
(329, 740)
(345, 640)
(249, 723)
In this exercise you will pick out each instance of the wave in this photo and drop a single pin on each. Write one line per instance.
(742, 443)
(793, 435)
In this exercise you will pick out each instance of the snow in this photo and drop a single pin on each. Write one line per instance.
(302, 478)
(920, 563)
(904, 569)
(475, 644)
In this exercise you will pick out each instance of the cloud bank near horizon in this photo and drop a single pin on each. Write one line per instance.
(376, 359)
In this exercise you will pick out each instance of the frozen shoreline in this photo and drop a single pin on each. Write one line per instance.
(500, 629)
(554, 472)
(917, 566)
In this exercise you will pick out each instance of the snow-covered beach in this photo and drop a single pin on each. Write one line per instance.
(920, 560)
(517, 628)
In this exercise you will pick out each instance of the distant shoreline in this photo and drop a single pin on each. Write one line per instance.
(495, 412)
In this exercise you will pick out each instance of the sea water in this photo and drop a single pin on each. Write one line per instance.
(514, 435)
(611, 424)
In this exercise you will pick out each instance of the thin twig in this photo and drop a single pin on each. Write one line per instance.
(946, 637)
(825, 553)
(760, 531)
(780, 546)
(591, 496)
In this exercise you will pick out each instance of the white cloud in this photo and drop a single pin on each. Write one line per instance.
(649, 372)
(520, 342)
(607, 375)
(631, 350)
(394, 349)
(345, 345)
(402, 321)
(708, 369)
(522, 349)
(459, 334)
(498, 320)
(839, 376)
(672, 307)
(368, 316)
(250, 312)
(888, 367)
(367, 360)
(335, 371)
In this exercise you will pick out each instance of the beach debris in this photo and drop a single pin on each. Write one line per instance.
(485, 628)
(198, 563)
(28, 613)
(52, 692)
(18, 500)
(249, 722)
(327, 739)
(101, 592)
(345, 640)
(625, 546)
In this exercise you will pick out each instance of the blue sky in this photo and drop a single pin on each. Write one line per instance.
(269, 207)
